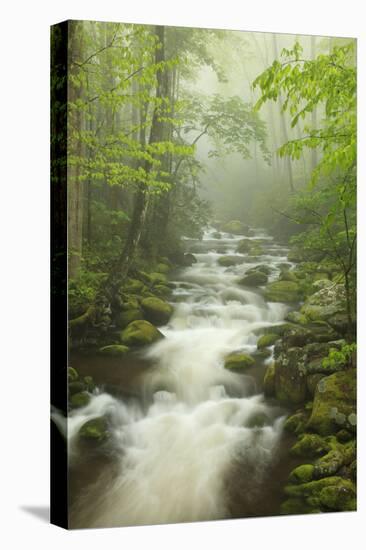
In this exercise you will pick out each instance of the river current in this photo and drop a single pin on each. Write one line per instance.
(186, 445)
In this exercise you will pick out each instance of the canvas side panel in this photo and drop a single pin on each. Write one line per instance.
(59, 345)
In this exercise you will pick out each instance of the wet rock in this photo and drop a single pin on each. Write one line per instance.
(329, 464)
(302, 474)
(115, 350)
(330, 493)
(140, 333)
(160, 278)
(267, 340)
(244, 246)
(156, 310)
(311, 445)
(290, 376)
(238, 361)
(341, 496)
(296, 317)
(312, 382)
(258, 420)
(287, 275)
(256, 278)
(325, 303)
(80, 399)
(124, 318)
(188, 260)
(228, 261)
(334, 403)
(296, 423)
(283, 291)
(76, 387)
(95, 430)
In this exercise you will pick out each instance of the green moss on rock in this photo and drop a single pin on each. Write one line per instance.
(341, 496)
(256, 278)
(269, 381)
(124, 318)
(267, 340)
(115, 350)
(80, 399)
(95, 430)
(156, 310)
(283, 291)
(238, 361)
(296, 423)
(302, 474)
(140, 333)
(311, 445)
(334, 402)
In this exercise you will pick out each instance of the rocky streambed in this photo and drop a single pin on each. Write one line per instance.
(217, 379)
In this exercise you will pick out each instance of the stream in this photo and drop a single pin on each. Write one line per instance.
(188, 441)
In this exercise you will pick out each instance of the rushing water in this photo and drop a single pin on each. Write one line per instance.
(188, 447)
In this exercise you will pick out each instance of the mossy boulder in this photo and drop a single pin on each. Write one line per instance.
(126, 317)
(287, 275)
(339, 497)
(296, 422)
(267, 340)
(256, 278)
(269, 381)
(297, 317)
(244, 246)
(162, 268)
(311, 445)
(290, 376)
(238, 361)
(134, 286)
(330, 493)
(228, 261)
(312, 382)
(188, 260)
(114, 350)
(302, 474)
(76, 387)
(283, 291)
(236, 227)
(157, 311)
(325, 303)
(95, 430)
(80, 399)
(329, 464)
(140, 333)
(158, 278)
(258, 420)
(334, 403)
(162, 290)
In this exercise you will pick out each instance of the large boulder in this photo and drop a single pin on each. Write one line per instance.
(283, 291)
(125, 317)
(228, 261)
(290, 376)
(188, 260)
(238, 361)
(334, 403)
(140, 333)
(244, 246)
(255, 278)
(325, 303)
(157, 311)
(236, 227)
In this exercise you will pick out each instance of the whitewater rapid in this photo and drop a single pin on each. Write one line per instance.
(173, 449)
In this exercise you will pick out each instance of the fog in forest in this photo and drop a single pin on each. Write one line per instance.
(208, 179)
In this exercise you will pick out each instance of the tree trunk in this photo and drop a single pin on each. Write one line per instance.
(314, 122)
(283, 125)
(75, 148)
